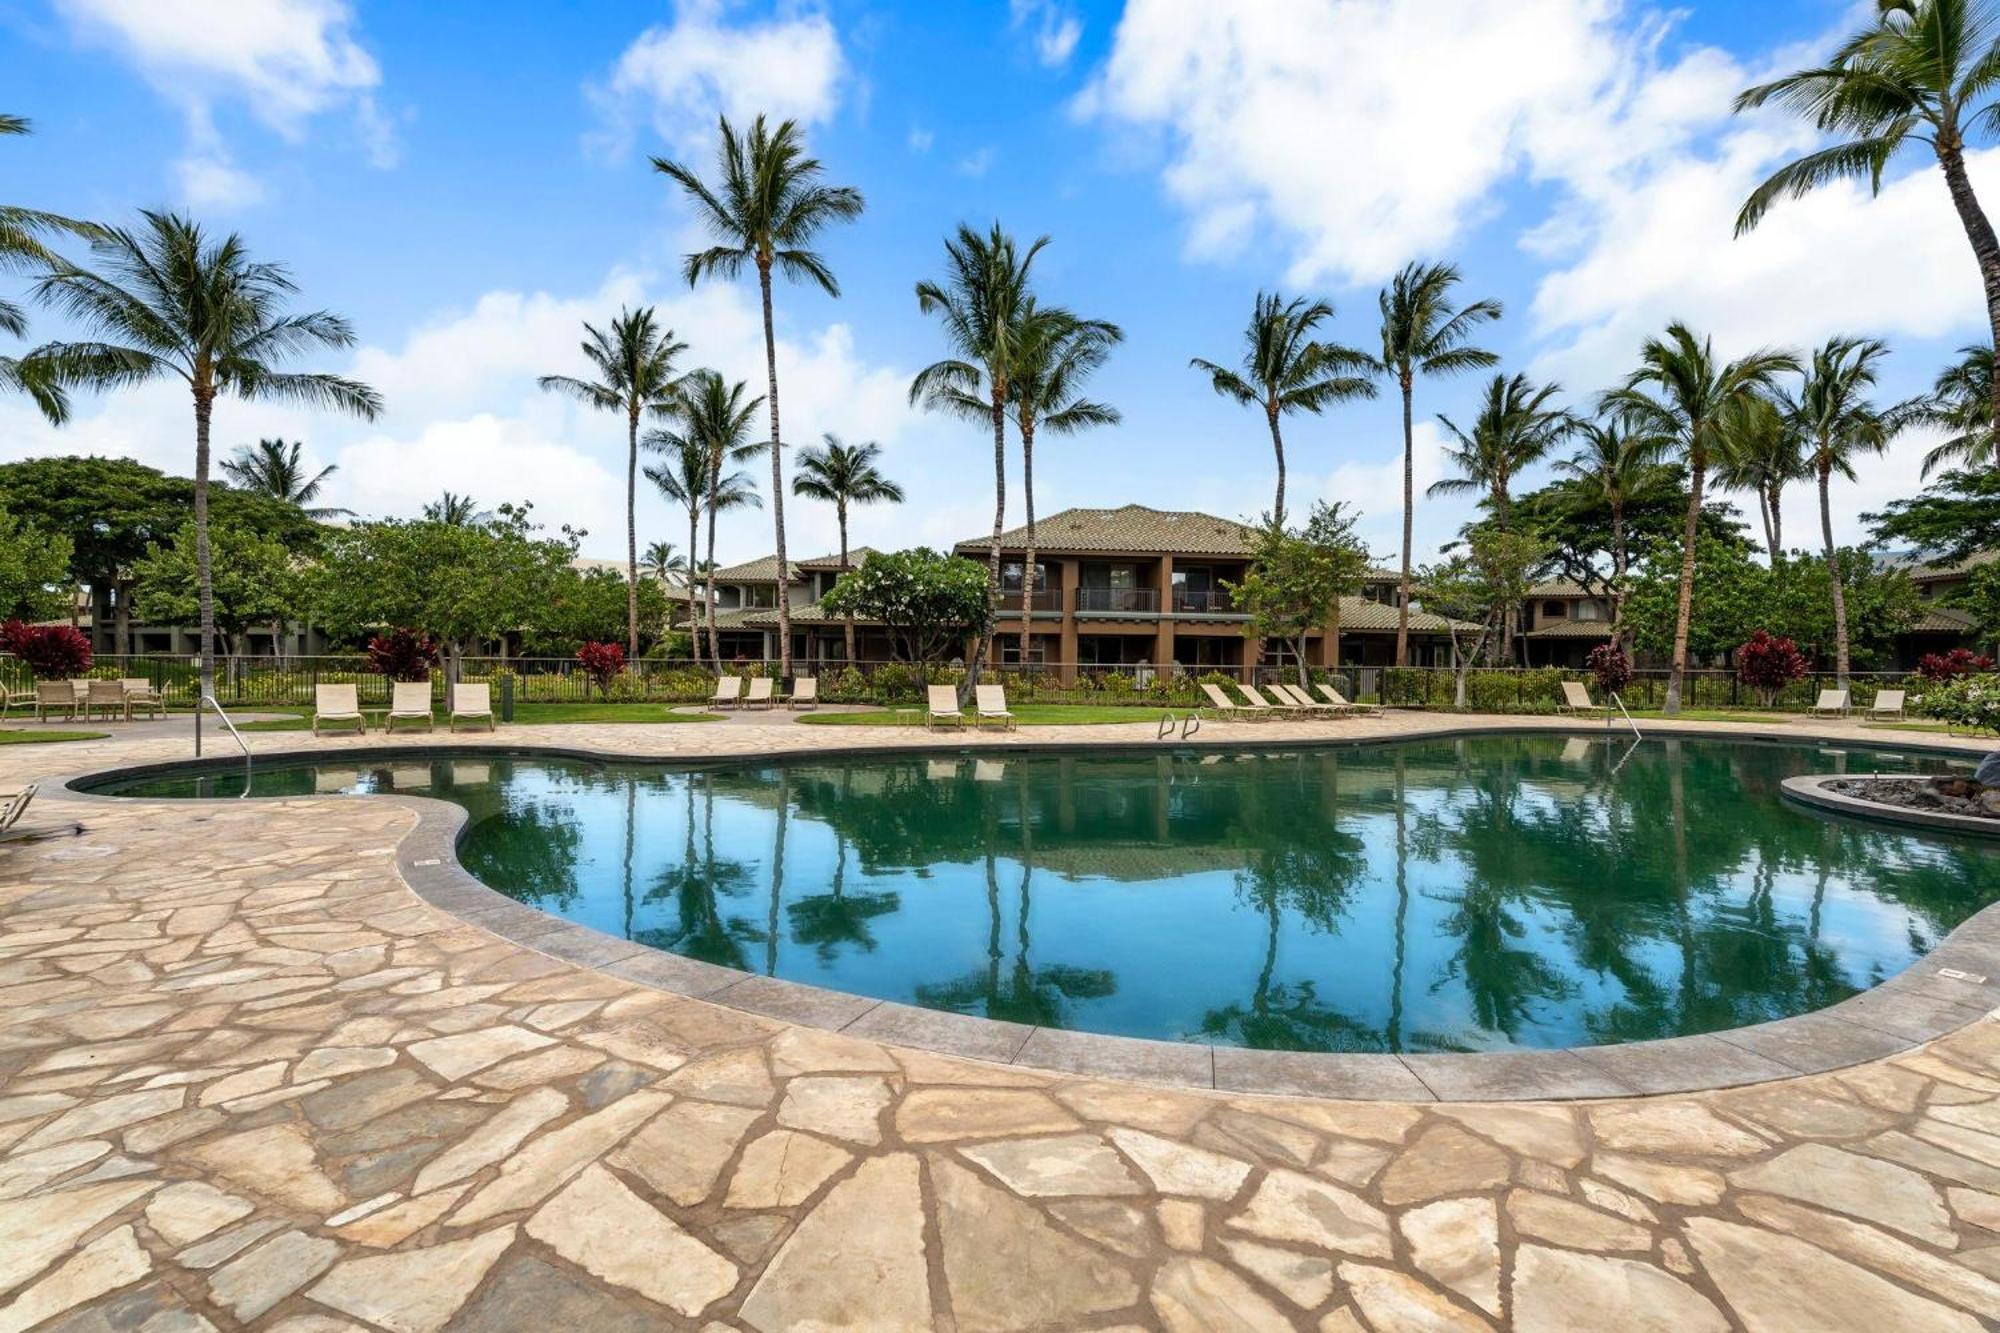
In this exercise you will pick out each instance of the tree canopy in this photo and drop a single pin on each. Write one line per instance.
(254, 580)
(1296, 577)
(34, 571)
(928, 602)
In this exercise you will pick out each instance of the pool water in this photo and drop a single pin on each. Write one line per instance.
(1465, 894)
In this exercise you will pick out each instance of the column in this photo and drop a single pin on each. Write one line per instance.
(1066, 580)
(1163, 633)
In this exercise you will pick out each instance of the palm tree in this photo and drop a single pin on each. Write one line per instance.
(716, 414)
(1761, 453)
(1922, 72)
(170, 301)
(765, 211)
(455, 511)
(1961, 401)
(22, 233)
(1837, 423)
(278, 469)
(1057, 353)
(981, 302)
(634, 363)
(660, 561)
(843, 475)
(1616, 465)
(693, 478)
(1286, 370)
(1694, 396)
(1423, 335)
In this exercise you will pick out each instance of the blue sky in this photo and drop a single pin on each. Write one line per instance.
(469, 184)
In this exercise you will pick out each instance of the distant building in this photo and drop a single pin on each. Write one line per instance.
(1941, 628)
(1561, 622)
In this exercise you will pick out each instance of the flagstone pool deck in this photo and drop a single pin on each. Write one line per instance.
(249, 1078)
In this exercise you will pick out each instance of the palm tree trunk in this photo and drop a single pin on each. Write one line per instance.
(1618, 565)
(1840, 664)
(1777, 525)
(708, 610)
(847, 627)
(1278, 448)
(694, 622)
(1028, 561)
(1697, 473)
(993, 553)
(1409, 513)
(1978, 230)
(1770, 532)
(632, 536)
(777, 479)
(204, 403)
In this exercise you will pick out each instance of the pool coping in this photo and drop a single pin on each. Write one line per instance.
(1813, 791)
(1956, 984)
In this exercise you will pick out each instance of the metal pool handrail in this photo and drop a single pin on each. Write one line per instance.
(209, 701)
(1628, 717)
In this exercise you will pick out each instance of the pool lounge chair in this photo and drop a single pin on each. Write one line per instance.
(728, 690)
(141, 697)
(107, 697)
(805, 693)
(941, 707)
(1333, 696)
(1576, 699)
(1221, 703)
(992, 707)
(1259, 703)
(1292, 694)
(1888, 703)
(337, 705)
(472, 703)
(1831, 703)
(410, 702)
(759, 694)
(13, 807)
(56, 696)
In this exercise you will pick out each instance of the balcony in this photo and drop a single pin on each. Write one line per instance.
(1118, 601)
(1049, 599)
(1203, 602)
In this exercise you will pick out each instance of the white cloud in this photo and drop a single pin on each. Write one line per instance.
(212, 183)
(921, 140)
(976, 163)
(680, 76)
(1374, 488)
(1054, 28)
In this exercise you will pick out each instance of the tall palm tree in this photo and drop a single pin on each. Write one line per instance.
(980, 302)
(1761, 453)
(661, 561)
(1837, 424)
(1616, 465)
(1692, 397)
(716, 415)
(1285, 370)
(1057, 353)
(1422, 334)
(278, 469)
(843, 475)
(23, 246)
(168, 300)
(693, 478)
(1961, 401)
(455, 510)
(634, 364)
(765, 211)
(1924, 71)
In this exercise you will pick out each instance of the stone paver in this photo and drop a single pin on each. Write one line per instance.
(249, 1079)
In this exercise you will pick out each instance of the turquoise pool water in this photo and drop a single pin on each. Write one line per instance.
(1466, 894)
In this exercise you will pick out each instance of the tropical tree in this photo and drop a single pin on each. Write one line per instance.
(1616, 465)
(23, 245)
(1837, 423)
(660, 561)
(715, 415)
(1961, 401)
(455, 511)
(981, 302)
(765, 210)
(168, 300)
(928, 603)
(634, 365)
(279, 470)
(843, 475)
(1761, 453)
(1285, 370)
(1922, 71)
(1682, 393)
(692, 478)
(1294, 581)
(1423, 334)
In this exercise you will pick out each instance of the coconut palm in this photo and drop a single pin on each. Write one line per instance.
(1837, 424)
(1923, 71)
(456, 511)
(1285, 370)
(1615, 465)
(716, 415)
(694, 477)
(1691, 397)
(765, 210)
(1761, 453)
(980, 302)
(1057, 352)
(23, 245)
(634, 364)
(661, 561)
(843, 475)
(1961, 401)
(278, 469)
(1422, 334)
(167, 300)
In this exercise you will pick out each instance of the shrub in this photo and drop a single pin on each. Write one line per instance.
(1972, 702)
(896, 682)
(50, 652)
(603, 663)
(1950, 666)
(403, 654)
(1767, 664)
(1610, 668)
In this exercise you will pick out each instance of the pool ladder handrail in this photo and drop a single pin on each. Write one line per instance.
(1188, 726)
(1628, 717)
(210, 701)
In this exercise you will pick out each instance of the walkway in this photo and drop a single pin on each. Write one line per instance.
(248, 1079)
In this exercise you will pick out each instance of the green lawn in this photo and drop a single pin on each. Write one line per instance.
(12, 737)
(1027, 715)
(525, 715)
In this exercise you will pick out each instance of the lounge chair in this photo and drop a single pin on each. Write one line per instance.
(941, 707)
(805, 693)
(13, 807)
(991, 706)
(1888, 703)
(1227, 706)
(107, 697)
(1576, 699)
(1831, 703)
(56, 696)
(1333, 696)
(337, 704)
(759, 695)
(1258, 702)
(473, 703)
(141, 697)
(1292, 694)
(728, 689)
(410, 701)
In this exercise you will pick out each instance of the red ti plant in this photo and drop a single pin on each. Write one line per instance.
(602, 662)
(1767, 663)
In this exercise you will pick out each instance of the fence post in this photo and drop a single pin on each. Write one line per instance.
(507, 697)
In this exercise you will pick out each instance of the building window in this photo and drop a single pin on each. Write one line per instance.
(760, 596)
(1555, 610)
(1591, 610)
(1010, 576)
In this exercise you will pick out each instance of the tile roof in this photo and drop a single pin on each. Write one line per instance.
(1942, 620)
(1361, 616)
(764, 569)
(1560, 588)
(1133, 528)
(831, 560)
(1572, 629)
(1922, 571)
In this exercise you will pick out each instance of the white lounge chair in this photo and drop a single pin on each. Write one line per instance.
(473, 703)
(1888, 703)
(941, 707)
(141, 697)
(56, 696)
(1576, 699)
(13, 807)
(991, 702)
(759, 695)
(1333, 696)
(107, 697)
(1259, 703)
(410, 701)
(1292, 694)
(728, 690)
(805, 693)
(1831, 703)
(1228, 707)
(337, 704)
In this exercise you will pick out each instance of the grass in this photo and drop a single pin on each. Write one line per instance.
(1780, 716)
(525, 715)
(1027, 715)
(14, 737)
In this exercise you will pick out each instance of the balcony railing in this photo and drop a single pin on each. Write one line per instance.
(1135, 601)
(1202, 601)
(1048, 599)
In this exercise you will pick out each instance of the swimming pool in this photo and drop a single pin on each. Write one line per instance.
(1476, 893)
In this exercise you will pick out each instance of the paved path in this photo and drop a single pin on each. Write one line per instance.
(247, 1079)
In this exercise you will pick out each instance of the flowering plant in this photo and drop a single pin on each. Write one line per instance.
(1610, 667)
(50, 652)
(1768, 663)
(1972, 702)
(403, 654)
(602, 662)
